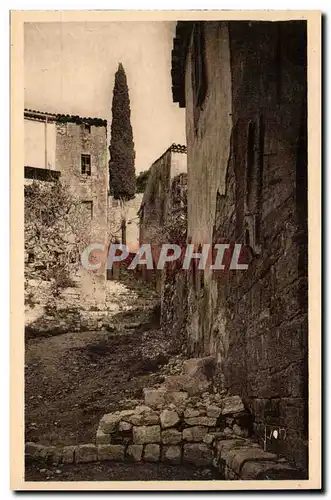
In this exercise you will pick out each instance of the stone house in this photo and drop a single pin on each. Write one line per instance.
(244, 87)
(168, 171)
(73, 149)
(156, 201)
(76, 149)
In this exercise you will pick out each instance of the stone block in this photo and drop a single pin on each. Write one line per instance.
(142, 409)
(176, 397)
(55, 455)
(185, 383)
(199, 454)
(200, 367)
(146, 434)
(213, 411)
(191, 412)
(110, 452)
(209, 439)
(154, 397)
(169, 418)
(223, 446)
(86, 453)
(196, 433)
(171, 436)
(172, 454)
(33, 450)
(126, 413)
(152, 453)
(102, 437)
(269, 470)
(206, 421)
(151, 418)
(235, 458)
(109, 422)
(134, 452)
(68, 454)
(124, 427)
(51, 455)
(232, 405)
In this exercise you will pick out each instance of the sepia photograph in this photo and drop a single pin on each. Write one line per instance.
(167, 209)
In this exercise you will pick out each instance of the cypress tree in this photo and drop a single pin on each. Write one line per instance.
(122, 177)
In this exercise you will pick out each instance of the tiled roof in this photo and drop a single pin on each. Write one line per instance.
(60, 117)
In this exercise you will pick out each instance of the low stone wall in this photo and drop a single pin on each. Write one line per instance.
(243, 459)
(180, 423)
(175, 430)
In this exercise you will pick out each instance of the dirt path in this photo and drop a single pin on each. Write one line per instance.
(71, 380)
(112, 471)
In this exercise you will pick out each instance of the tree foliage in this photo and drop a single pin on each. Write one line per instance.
(56, 231)
(141, 181)
(121, 165)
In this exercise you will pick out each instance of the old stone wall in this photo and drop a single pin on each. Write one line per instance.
(72, 141)
(156, 201)
(174, 279)
(254, 321)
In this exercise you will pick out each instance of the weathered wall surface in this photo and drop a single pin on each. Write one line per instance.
(71, 142)
(154, 204)
(173, 278)
(156, 200)
(254, 321)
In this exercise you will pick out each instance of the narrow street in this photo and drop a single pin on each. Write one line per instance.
(166, 248)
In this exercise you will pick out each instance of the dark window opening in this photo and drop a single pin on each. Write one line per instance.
(86, 164)
(30, 258)
(87, 128)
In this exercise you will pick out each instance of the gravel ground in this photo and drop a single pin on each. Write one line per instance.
(112, 471)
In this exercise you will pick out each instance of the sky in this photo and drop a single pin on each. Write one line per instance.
(70, 68)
